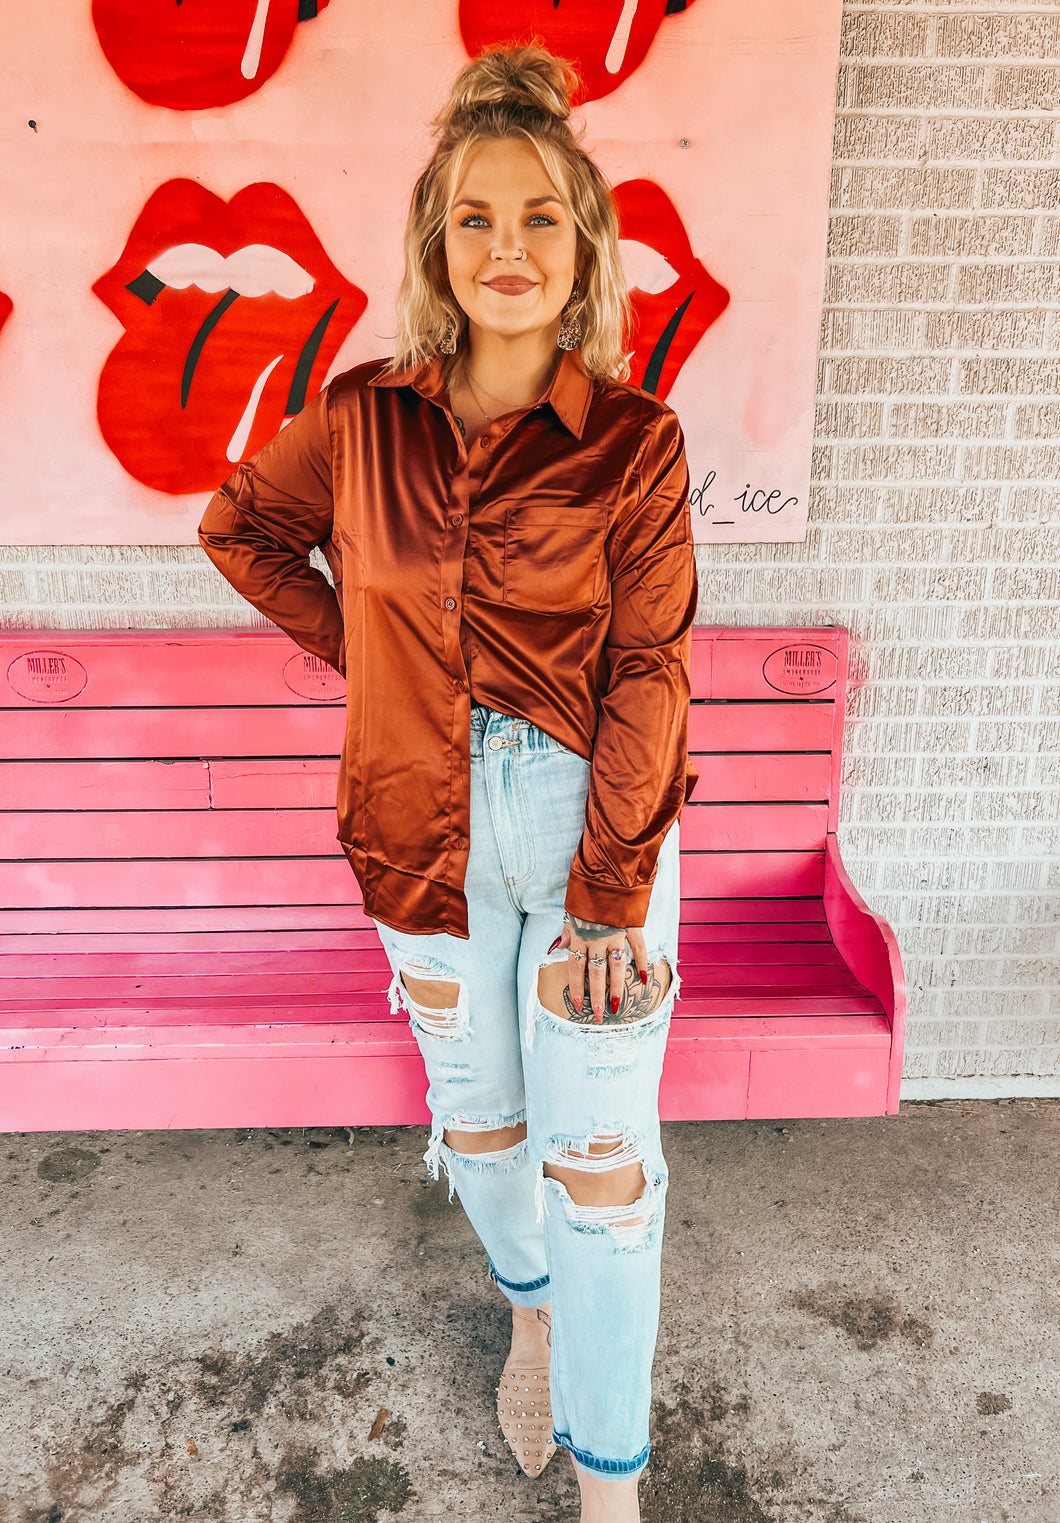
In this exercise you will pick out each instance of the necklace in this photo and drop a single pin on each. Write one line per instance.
(475, 396)
(474, 390)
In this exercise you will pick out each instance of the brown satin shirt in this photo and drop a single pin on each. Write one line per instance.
(550, 576)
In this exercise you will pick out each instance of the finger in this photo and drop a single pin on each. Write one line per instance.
(616, 970)
(598, 980)
(562, 940)
(637, 946)
(575, 974)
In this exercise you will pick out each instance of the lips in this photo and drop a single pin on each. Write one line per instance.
(6, 308)
(607, 39)
(509, 285)
(204, 53)
(233, 315)
(675, 299)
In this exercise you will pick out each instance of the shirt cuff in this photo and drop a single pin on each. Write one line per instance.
(607, 903)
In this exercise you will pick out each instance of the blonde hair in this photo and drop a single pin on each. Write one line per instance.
(513, 92)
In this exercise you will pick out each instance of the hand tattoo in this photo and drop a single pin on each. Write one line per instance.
(589, 930)
(635, 1002)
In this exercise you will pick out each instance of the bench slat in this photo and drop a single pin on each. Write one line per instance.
(753, 664)
(754, 827)
(261, 881)
(51, 734)
(364, 953)
(770, 777)
(73, 785)
(148, 668)
(333, 919)
(758, 727)
(119, 734)
(150, 920)
(718, 1034)
(122, 834)
(128, 943)
(751, 873)
(329, 880)
(310, 783)
(115, 1017)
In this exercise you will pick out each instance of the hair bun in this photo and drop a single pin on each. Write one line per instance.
(528, 77)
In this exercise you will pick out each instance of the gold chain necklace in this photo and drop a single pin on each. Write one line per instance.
(508, 406)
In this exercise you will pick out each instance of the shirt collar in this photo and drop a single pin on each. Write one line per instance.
(569, 392)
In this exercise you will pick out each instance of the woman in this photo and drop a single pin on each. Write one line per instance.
(508, 526)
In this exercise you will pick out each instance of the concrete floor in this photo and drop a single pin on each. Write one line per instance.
(861, 1324)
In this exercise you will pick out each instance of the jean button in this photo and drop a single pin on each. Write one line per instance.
(495, 743)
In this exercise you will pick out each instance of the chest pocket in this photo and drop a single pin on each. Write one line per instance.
(554, 557)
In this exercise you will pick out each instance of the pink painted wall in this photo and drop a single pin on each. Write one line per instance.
(203, 217)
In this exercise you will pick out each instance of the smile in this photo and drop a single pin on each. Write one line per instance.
(509, 285)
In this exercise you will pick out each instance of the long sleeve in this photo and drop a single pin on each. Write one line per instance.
(262, 524)
(640, 776)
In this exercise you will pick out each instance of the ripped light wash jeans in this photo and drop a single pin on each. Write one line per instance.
(498, 1057)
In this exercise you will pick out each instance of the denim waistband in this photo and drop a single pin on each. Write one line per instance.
(499, 731)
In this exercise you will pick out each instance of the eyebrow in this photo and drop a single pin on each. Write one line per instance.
(484, 205)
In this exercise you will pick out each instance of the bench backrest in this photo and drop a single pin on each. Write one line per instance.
(155, 781)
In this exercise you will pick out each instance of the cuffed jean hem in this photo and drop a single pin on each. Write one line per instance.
(526, 1293)
(617, 1470)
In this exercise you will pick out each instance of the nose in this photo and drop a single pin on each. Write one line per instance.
(506, 243)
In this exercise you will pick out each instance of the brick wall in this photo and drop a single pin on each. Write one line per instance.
(934, 524)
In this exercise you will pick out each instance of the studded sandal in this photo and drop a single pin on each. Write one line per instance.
(525, 1414)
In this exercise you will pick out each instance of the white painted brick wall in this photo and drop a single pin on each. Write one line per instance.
(934, 524)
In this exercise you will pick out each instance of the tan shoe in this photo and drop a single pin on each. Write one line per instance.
(525, 1414)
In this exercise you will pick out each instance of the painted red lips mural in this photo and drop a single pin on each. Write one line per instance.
(191, 55)
(675, 299)
(607, 39)
(233, 314)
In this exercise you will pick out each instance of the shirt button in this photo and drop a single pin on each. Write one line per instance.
(459, 843)
(456, 520)
(485, 442)
(461, 687)
(450, 604)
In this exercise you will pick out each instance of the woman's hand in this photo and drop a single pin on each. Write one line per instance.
(598, 956)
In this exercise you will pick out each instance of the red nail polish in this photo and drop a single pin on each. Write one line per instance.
(576, 1001)
(644, 977)
(555, 944)
(598, 1014)
(614, 1004)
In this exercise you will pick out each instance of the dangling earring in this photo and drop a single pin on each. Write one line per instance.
(570, 329)
(447, 344)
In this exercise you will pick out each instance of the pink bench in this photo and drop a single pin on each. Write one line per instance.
(183, 946)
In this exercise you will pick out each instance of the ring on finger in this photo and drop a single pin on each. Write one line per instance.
(598, 962)
(618, 954)
(578, 955)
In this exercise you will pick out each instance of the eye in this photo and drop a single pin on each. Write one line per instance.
(471, 217)
(549, 221)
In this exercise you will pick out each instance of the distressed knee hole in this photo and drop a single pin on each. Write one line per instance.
(475, 1144)
(629, 1214)
(604, 1171)
(636, 1001)
(435, 1005)
(472, 1143)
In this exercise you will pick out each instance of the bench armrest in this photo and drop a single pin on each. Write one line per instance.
(869, 948)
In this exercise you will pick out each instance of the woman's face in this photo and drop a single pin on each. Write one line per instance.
(505, 203)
